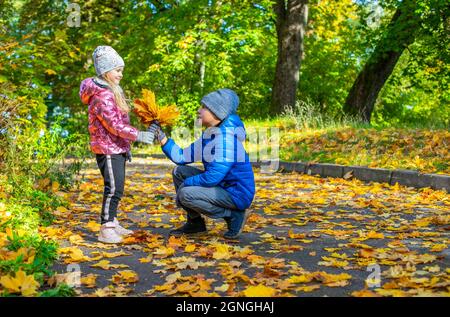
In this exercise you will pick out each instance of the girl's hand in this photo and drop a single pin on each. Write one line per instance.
(145, 137)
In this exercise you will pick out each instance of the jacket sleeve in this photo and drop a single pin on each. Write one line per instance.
(223, 160)
(180, 156)
(108, 114)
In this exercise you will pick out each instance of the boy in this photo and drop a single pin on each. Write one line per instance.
(226, 187)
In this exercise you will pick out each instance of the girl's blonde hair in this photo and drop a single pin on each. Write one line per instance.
(118, 94)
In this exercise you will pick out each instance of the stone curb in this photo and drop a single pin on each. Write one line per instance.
(403, 177)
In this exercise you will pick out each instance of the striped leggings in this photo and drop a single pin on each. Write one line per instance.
(112, 168)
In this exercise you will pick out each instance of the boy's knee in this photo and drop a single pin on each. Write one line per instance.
(174, 171)
(184, 195)
(177, 172)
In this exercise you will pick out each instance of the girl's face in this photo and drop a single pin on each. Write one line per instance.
(115, 75)
(207, 118)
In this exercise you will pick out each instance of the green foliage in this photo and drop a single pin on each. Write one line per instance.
(421, 99)
(44, 252)
(201, 46)
(33, 168)
(417, 91)
(333, 54)
(22, 217)
(62, 290)
(45, 203)
(185, 49)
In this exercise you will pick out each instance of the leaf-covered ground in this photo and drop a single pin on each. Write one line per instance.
(416, 149)
(307, 236)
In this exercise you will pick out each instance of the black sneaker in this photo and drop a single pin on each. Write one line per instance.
(228, 221)
(236, 223)
(192, 226)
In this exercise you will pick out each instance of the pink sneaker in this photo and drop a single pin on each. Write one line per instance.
(121, 230)
(108, 233)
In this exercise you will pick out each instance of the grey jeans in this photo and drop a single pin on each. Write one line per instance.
(214, 202)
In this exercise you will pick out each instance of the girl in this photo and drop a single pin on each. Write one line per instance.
(110, 135)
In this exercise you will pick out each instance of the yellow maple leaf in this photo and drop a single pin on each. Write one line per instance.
(76, 239)
(55, 187)
(172, 278)
(114, 254)
(105, 264)
(190, 248)
(175, 242)
(222, 252)
(60, 211)
(364, 293)
(89, 280)
(332, 262)
(188, 262)
(222, 288)
(50, 72)
(21, 283)
(438, 247)
(308, 288)
(375, 235)
(331, 279)
(164, 251)
(205, 285)
(259, 291)
(93, 226)
(12, 255)
(424, 222)
(187, 287)
(148, 259)
(148, 111)
(293, 235)
(304, 278)
(364, 253)
(391, 292)
(75, 255)
(127, 276)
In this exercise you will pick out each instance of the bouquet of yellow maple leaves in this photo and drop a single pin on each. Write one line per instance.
(148, 111)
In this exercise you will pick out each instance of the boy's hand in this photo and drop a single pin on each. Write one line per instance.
(160, 135)
(153, 127)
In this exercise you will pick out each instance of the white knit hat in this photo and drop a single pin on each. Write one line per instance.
(106, 59)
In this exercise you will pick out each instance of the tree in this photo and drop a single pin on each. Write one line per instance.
(409, 20)
(291, 20)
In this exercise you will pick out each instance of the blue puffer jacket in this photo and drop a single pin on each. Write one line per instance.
(224, 158)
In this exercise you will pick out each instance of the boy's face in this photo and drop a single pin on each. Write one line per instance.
(207, 118)
(115, 75)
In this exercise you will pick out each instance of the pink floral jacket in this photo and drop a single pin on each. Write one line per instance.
(109, 127)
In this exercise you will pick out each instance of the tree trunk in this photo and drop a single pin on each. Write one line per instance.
(401, 32)
(200, 65)
(292, 16)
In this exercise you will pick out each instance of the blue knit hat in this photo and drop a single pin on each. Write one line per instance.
(222, 102)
